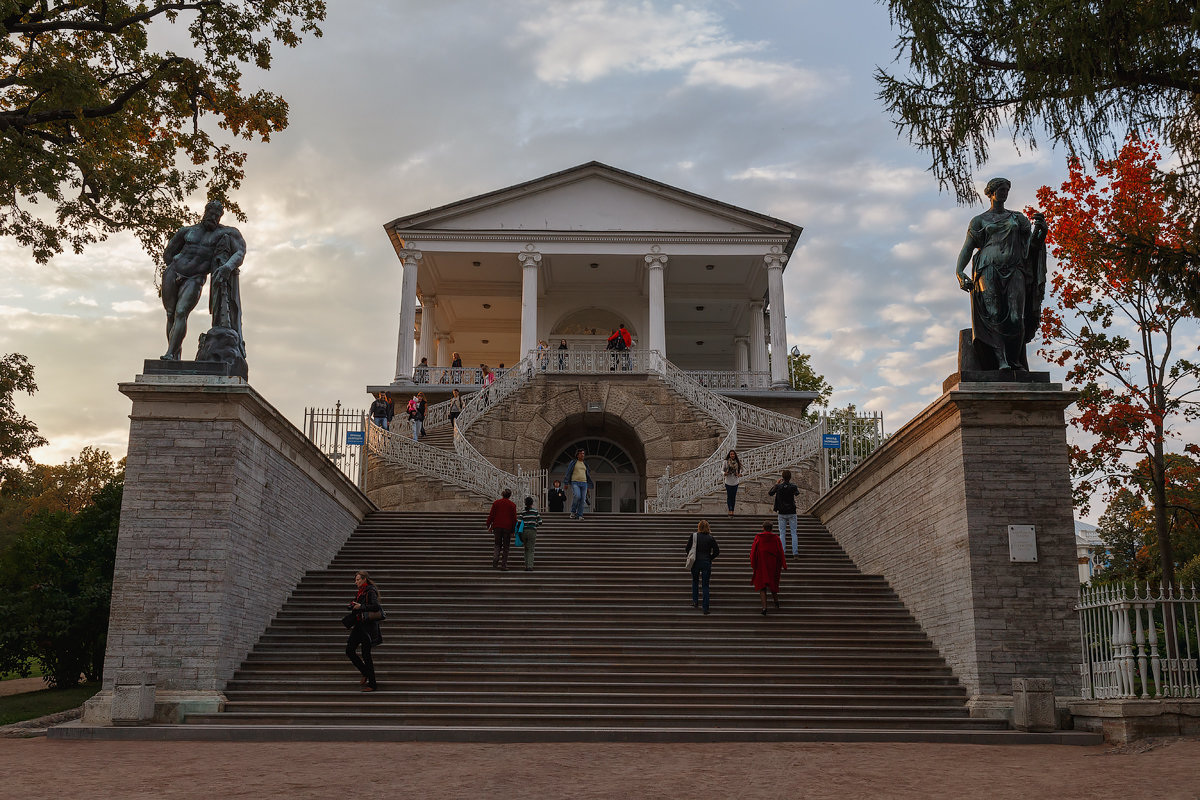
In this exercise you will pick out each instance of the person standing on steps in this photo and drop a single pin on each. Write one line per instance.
(500, 521)
(530, 520)
(579, 480)
(733, 474)
(418, 417)
(456, 408)
(706, 551)
(768, 562)
(556, 500)
(379, 411)
(364, 632)
(785, 493)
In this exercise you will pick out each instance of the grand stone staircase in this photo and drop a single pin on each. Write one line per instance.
(599, 642)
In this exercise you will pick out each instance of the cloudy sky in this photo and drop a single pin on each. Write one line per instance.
(403, 106)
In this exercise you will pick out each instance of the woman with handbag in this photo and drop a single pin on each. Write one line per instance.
(701, 549)
(733, 476)
(363, 621)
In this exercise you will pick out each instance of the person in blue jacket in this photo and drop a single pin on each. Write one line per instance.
(578, 480)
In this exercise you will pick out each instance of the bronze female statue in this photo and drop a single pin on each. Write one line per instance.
(1008, 280)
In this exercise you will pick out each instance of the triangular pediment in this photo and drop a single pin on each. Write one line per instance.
(593, 197)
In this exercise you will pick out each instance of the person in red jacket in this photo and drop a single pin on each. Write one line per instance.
(768, 562)
(501, 521)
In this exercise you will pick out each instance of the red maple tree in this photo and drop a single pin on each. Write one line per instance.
(1117, 236)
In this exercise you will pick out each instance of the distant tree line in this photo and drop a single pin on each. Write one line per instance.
(58, 541)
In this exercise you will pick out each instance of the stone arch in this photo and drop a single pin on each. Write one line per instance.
(605, 427)
(606, 319)
(643, 415)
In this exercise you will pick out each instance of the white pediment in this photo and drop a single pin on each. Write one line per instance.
(593, 198)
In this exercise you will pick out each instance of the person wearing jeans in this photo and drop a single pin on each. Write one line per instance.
(578, 479)
(706, 551)
(785, 493)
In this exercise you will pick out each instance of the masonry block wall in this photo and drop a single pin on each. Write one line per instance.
(930, 512)
(226, 505)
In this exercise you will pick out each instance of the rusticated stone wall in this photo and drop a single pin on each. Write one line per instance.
(930, 512)
(226, 505)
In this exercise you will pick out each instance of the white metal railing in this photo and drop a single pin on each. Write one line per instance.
(477, 475)
(762, 419)
(1139, 642)
(730, 379)
(676, 491)
(861, 434)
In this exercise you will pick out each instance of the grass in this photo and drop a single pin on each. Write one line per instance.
(35, 671)
(31, 705)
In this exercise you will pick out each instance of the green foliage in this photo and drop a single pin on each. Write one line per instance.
(18, 434)
(1122, 529)
(1086, 72)
(112, 134)
(1189, 574)
(31, 705)
(55, 582)
(804, 378)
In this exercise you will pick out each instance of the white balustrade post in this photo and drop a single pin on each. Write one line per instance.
(529, 259)
(779, 351)
(408, 315)
(656, 263)
(1140, 640)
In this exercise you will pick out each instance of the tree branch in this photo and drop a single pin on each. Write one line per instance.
(100, 26)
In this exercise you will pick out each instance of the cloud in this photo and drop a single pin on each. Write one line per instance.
(133, 307)
(586, 40)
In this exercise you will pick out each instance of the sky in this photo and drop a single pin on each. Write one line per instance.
(404, 106)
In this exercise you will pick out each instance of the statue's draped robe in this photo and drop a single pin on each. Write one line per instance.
(1009, 283)
(224, 294)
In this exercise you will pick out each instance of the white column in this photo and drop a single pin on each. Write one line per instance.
(779, 366)
(443, 350)
(758, 339)
(741, 353)
(656, 264)
(529, 283)
(408, 316)
(427, 346)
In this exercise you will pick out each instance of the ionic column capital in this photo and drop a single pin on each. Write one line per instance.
(656, 259)
(775, 259)
(530, 257)
(409, 257)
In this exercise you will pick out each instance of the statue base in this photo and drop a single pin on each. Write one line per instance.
(994, 376)
(157, 366)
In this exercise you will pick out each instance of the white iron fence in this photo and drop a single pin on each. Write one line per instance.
(1139, 642)
(327, 429)
(861, 434)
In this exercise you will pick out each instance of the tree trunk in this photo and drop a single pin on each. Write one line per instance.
(1158, 489)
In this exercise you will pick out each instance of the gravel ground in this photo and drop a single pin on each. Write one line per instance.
(36, 768)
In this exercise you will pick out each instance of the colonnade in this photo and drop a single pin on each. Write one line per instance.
(750, 352)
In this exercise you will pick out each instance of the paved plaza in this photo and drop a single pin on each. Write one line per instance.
(37, 768)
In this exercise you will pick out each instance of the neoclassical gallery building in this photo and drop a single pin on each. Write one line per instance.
(536, 277)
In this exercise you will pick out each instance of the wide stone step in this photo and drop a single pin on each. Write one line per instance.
(596, 686)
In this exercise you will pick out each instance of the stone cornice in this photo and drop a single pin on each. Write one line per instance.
(619, 237)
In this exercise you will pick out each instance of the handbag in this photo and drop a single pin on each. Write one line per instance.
(690, 561)
(376, 616)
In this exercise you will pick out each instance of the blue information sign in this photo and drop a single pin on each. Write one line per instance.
(356, 437)
(831, 441)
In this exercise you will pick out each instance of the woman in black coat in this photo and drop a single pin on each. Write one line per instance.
(364, 632)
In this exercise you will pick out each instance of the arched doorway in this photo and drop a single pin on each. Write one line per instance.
(612, 469)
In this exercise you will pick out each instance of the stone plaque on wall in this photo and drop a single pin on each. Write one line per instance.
(1022, 543)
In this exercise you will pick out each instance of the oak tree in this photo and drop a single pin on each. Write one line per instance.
(1120, 330)
(18, 434)
(112, 112)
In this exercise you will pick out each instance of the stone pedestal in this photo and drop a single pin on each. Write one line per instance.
(937, 510)
(1033, 705)
(133, 698)
(226, 505)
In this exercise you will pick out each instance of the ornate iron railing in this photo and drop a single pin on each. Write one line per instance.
(861, 434)
(475, 474)
(727, 379)
(1139, 642)
(327, 429)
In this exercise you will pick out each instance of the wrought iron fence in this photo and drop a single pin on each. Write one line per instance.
(327, 429)
(861, 433)
(1139, 642)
